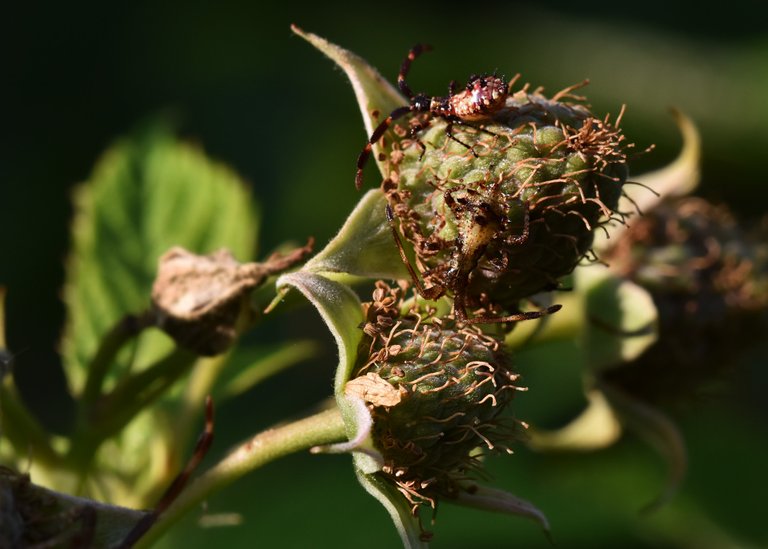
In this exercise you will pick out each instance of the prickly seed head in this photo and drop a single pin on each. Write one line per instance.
(435, 392)
(708, 277)
(543, 174)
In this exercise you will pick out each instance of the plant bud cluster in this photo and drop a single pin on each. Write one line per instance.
(435, 391)
(499, 211)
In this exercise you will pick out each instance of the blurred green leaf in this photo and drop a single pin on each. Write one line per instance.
(659, 431)
(681, 176)
(147, 193)
(596, 427)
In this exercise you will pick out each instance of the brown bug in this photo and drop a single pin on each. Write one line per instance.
(482, 224)
(481, 98)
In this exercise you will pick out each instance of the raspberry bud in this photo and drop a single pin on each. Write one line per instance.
(500, 211)
(435, 392)
(709, 281)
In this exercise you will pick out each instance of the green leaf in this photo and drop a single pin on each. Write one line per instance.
(373, 92)
(146, 194)
(364, 246)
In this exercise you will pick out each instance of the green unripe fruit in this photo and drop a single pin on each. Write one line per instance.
(435, 392)
(501, 211)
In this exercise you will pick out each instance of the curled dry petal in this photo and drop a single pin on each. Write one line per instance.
(200, 299)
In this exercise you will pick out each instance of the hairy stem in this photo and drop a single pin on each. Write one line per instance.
(323, 428)
(121, 333)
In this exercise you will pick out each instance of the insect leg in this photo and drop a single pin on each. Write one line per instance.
(375, 136)
(416, 51)
(515, 317)
(433, 292)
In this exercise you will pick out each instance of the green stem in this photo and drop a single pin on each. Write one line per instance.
(126, 329)
(22, 429)
(138, 391)
(323, 428)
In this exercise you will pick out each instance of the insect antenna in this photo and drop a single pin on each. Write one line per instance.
(415, 52)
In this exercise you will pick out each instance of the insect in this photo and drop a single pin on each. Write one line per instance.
(479, 100)
(481, 225)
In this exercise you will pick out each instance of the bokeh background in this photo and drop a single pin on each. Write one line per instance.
(233, 78)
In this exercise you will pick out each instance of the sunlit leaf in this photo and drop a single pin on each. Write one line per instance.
(146, 194)
(364, 246)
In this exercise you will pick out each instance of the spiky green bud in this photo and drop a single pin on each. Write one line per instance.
(435, 392)
(502, 210)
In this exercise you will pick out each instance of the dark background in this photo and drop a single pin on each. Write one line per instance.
(75, 76)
